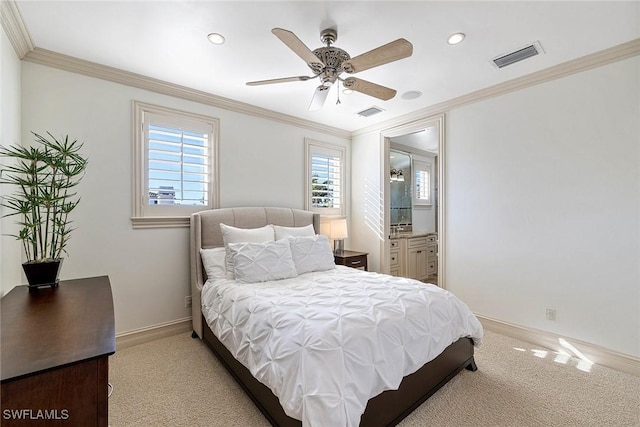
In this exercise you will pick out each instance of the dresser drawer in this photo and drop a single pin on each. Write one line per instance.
(394, 259)
(395, 244)
(356, 261)
(352, 259)
(432, 251)
(432, 267)
(417, 241)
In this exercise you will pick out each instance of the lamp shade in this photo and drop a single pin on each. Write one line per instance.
(338, 229)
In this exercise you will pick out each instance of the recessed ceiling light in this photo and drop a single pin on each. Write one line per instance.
(216, 38)
(455, 38)
(412, 94)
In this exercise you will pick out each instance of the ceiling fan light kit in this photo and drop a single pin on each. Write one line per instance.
(328, 62)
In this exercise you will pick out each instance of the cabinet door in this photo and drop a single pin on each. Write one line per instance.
(418, 263)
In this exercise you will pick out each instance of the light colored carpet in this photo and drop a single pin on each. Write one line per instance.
(177, 381)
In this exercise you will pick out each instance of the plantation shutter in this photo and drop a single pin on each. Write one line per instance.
(178, 161)
(326, 180)
(423, 185)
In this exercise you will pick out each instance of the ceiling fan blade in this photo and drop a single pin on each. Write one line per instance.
(389, 52)
(319, 97)
(368, 88)
(281, 80)
(296, 45)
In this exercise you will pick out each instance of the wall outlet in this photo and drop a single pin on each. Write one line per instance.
(187, 301)
(551, 314)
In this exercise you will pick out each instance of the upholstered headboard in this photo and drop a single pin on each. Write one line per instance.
(205, 233)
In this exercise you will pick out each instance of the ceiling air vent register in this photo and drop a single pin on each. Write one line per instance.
(518, 55)
(370, 111)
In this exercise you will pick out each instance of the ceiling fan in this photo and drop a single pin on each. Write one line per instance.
(328, 63)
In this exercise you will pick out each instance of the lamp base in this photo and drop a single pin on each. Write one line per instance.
(338, 246)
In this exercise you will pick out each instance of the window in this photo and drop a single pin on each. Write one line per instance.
(325, 178)
(423, 186)
(174, 166)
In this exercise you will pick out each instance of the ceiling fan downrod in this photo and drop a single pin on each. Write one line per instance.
(328, 36)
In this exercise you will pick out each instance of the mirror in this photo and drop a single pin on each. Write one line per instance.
(413, 198)
(400, 179)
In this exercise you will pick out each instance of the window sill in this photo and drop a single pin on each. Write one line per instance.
(161, 222)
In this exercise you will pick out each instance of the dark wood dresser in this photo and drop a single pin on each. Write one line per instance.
(54, 354)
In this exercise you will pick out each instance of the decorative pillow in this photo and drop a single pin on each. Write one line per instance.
(284, 232)
(213, 261)
(247, 235)
(259, 262)
(312, 253)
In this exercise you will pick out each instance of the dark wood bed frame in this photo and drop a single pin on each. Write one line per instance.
(386, 409)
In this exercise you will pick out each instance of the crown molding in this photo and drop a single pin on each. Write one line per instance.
(18, 35)
(594, 60)
(14, 28)
(116, 75)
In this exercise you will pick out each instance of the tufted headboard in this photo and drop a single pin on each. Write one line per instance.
(205, 233)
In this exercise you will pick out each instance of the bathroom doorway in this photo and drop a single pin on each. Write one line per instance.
(413, 157)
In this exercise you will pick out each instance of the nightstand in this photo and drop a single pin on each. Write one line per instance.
(351, 259)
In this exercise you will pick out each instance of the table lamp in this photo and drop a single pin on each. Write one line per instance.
(338, 232)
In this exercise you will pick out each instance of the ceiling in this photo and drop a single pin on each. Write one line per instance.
(167, 40)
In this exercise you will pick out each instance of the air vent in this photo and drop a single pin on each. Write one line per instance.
(370, 111)
(518, 55)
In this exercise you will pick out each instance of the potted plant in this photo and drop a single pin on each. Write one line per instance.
(44, 177)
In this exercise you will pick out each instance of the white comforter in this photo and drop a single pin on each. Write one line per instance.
(326, 342)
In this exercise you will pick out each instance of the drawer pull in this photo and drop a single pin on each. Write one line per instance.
(355, 262)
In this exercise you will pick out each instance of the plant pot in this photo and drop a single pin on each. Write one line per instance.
(42, 273)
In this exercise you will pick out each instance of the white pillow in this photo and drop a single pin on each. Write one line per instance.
(213, 261)
(284, 232)
(254, 235)
(259, 262)
(238, 235)
(312, 253)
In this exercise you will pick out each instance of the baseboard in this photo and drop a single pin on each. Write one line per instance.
(596, 354)
(152, 333)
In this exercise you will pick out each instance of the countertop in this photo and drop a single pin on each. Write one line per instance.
(411, 234)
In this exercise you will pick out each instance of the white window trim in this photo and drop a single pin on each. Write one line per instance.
(181, 218)
(310, 146)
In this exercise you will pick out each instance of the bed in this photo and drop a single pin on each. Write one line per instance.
(388, 406)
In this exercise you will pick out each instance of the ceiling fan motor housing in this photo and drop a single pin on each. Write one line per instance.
(332, 57)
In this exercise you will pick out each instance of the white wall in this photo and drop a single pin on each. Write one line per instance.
(10, 249)
(543, 194)
(261, 163)
(366, 198)
(543, 205)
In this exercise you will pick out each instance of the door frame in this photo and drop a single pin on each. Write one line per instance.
(385, 135)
